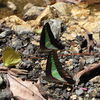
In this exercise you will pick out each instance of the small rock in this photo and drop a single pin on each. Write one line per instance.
(90, 90)
(68, 89)
(28, 6)
(71, 67)
(47, 13)
(87, 95)
(57, 91)
(3, 34)
(80, 98)
(90, 60)
(27, 64)
(68, 36)
(33, 13)
(34, 42)
(16, 43)
(62, 60)
(79, 92)
(69, 62)
(62, 8)
(95, 79)
(12, 21)
(93, 99)
(43, 64)
(57, 27)
(37, 37)
(92, 24)
(97, 37)
(73, 97)
(80, 13)
(23, 29)
(66, 95)
(29, 50)
(11, 6)
(5, 94)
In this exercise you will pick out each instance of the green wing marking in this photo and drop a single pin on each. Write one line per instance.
(54, 71)
(48, 43)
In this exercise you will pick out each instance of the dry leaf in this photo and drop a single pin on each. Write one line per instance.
(24, 89)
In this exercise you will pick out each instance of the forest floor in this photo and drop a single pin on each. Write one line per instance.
(22, 32)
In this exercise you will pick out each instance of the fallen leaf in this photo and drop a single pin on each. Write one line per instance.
(24, 89)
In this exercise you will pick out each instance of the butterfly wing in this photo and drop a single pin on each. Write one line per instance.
(62, 72)
(47, 39)
(54, 70)
(10, 57)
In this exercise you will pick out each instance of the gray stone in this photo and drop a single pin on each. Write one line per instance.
(20, 29)
(5, 94)
(57, 27)
(28, 6)
(90, 90)
(28, 50)
(11, 6)
(79, 92)
(16, 43)
(4, 33)
(33, 13)
(90, 59)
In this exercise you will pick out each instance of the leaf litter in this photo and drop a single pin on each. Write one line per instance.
(53, 88)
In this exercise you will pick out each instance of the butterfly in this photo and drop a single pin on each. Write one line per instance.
(55, 72)
(10, 57)
(48, 41)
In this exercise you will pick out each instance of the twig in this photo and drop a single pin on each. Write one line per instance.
(87, 74)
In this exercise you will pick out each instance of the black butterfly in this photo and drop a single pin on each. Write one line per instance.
(48, 41)
(55, 72)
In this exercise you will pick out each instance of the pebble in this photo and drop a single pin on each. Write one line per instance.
(80, 98)
(79, 92)
(23, 29)
(90, 60)
(43, 64)
(16, 43)
(5, 94)
(29, 50)
(80, 13)
(87, 95)
(33, 13)
(95, 99)
(11, 6)
(90, 90)
(57, 27)
(66, 95)
(28, 6)
(5, 33)
(27, 65)
(62, 60)
(57, 91)
(34, 42)
(69, 62)
(74, 97)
